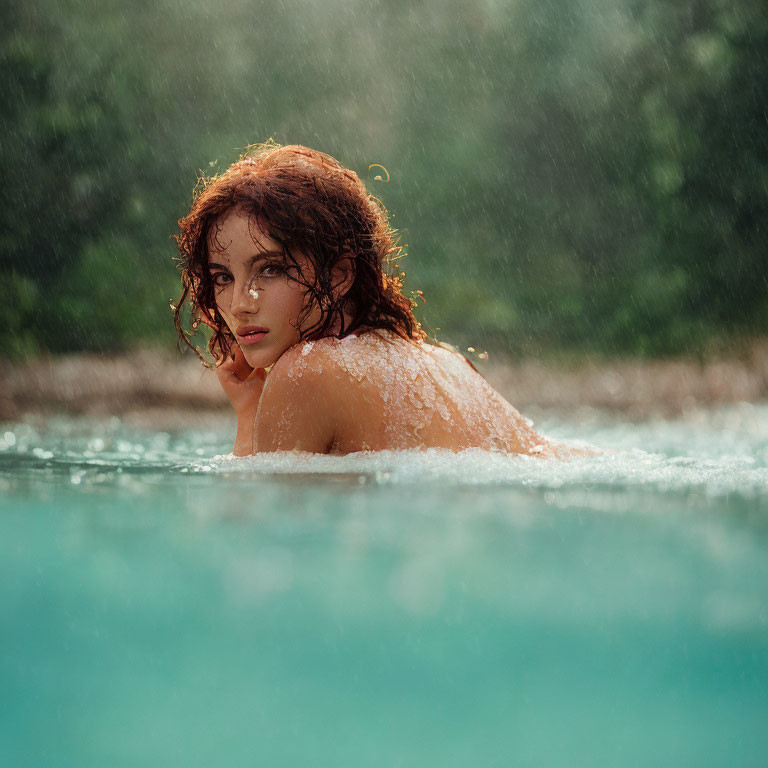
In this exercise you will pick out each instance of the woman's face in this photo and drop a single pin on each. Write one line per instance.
(255, 290)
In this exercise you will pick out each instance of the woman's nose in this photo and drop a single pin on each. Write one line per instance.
(244, 299)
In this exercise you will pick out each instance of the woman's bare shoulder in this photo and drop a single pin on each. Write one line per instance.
(310, 360)
(313, 392)
(301, 401)
(352, 358)
(330, 370)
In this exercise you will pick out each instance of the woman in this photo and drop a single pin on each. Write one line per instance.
(285, 257)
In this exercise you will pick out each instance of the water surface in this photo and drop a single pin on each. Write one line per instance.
(164, 604)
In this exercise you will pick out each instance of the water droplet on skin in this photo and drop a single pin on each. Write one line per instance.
(470, 349)
(253, 293)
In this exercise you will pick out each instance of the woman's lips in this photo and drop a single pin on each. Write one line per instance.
(250, 334)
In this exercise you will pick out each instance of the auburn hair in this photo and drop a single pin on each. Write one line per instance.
(308, 202)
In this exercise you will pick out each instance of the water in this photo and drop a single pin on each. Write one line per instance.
(164, 607)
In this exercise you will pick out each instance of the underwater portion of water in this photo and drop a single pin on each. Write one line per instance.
(164, 604)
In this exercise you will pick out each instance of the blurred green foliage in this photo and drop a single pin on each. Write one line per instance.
(585, 176)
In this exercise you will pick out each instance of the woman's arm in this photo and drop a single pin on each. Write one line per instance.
(243, 386)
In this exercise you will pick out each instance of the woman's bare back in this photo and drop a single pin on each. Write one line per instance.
(392, 394)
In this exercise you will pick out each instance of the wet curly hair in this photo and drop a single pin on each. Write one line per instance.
(308, 202)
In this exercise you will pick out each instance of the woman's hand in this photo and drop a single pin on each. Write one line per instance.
(241, 384)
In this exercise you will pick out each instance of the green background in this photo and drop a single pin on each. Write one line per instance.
(570, 176)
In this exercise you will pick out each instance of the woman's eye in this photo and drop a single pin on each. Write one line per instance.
(221, 278)
(271, 270)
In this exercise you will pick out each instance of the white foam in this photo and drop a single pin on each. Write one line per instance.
(714, 452)
(632, 469)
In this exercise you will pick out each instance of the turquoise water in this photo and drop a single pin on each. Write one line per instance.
(161, 606)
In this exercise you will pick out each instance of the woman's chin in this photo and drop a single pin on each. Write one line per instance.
(258, 358)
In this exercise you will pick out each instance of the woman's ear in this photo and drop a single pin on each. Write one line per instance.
(343, 275)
